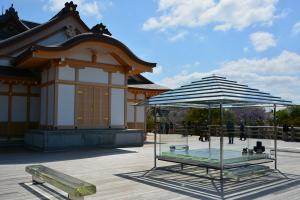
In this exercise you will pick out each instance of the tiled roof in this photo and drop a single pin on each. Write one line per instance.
(30, 24)
(148, 86)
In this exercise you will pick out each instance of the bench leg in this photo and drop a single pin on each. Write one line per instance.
(71, 197)
(36, 180)
(181, 166)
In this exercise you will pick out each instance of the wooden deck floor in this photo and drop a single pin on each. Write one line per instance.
(118, 175)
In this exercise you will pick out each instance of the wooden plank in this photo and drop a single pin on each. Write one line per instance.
(104, 167)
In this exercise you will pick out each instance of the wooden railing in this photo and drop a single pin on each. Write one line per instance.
(263, 132)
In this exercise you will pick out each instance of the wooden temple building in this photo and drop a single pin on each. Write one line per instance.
(63, 84)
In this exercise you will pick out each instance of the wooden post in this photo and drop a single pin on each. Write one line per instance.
(9, 117)
(292, 134)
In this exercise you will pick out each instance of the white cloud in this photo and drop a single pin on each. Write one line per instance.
(91, 8)
(278, 75)
(158, 70)
(245, 49)
(178, 36)
(191, 65)
(296, 28)
(223, 14)
(262, 41)
(286, 63)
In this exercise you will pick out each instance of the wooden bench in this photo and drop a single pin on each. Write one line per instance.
(245, 171)
(75, 188)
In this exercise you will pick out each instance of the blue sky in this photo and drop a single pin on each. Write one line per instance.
(253, 42)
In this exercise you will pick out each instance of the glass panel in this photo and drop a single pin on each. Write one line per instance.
(247, 144)
(199, 144)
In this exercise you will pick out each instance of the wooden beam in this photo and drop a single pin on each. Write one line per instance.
(104, 66)
(17, 80)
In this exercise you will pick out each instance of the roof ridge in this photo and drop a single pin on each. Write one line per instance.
(70, 7)
(6, 42)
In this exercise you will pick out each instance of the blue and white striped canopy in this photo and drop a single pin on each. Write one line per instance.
(215, 90)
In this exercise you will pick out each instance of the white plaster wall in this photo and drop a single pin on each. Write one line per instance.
(50, 108)
(66, 73)
(44, 76)
(140, 96)
(54, 39)
(34, 109)
(130, 95)
(65, 110)
(107, 59)
(93, 75)
(140, 114)
(4, 87)
(130, 112)
(51, 74)
(35, 90)
(3, 108)
(84, 55)
(117, 79)
(43, 105)
(19, 88)
(117, 107)
(19, 108)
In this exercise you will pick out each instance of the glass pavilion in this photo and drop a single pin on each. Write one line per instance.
(216, 92)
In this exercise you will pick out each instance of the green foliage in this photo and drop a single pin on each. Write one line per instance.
(229, 116)
(290, 115)
(282, 116)
(196, 115)
(201, 116)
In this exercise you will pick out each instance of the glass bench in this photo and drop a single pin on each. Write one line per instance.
(75, 188)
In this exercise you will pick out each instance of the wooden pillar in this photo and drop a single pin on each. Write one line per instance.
(134, 111)
(55, 117)
(9, 117)
(109, 99)
(28, 107)
(125, 100)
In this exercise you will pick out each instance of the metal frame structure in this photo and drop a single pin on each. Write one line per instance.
(216, 92)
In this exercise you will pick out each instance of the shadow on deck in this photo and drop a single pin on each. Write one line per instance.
(193, 182)
(43, 192)
(25, 156)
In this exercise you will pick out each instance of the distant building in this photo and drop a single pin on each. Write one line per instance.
(63, 75)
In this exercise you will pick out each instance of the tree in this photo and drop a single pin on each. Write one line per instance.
(295, 116)
(200, 115)
(282, 116)
(290, 115)
(251, 115)
(197, 115)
